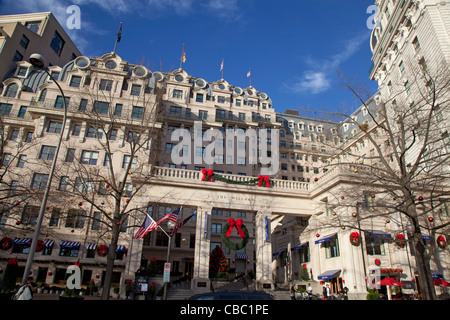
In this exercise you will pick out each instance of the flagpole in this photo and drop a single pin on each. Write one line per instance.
(117, 38)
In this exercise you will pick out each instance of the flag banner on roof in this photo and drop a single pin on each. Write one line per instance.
(180, 225)
(221, 66)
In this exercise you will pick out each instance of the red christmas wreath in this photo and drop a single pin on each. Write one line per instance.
(378, 262)
(400, 240)
(441, 242)
(102, 250)
(355, 239)
(40, 245)
(5, 243)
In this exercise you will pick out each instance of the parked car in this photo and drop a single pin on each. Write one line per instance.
(233, 295)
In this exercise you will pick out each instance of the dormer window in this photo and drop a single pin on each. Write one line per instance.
(135, 90)
(111, 64)
(22, 71)
(75, 81)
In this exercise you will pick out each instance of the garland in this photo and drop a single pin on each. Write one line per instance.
(242, 231)
(441, 242)
(400, 238)
(209, 174)
(5, 243)
(355, 239)
(102, 250)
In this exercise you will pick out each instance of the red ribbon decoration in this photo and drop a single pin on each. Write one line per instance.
(238, 224)
(263, 178)
(207, 173)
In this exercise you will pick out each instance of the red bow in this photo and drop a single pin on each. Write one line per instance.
(263, 178)
(238, 223)
(207, 173)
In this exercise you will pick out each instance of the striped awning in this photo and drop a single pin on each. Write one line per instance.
(23, 241)
(70, 244)
(120, 248)
(241, 256)
(92, 246)
(48, 243)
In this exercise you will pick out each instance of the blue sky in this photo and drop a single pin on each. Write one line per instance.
(293, 47)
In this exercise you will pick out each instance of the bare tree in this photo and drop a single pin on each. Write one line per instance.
(128, 139)
(394, 160)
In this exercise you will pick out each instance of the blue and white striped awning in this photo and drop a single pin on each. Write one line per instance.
(48, 243)
(23, 241)
(70, 244)
(327, 238)
(241, 256)
(92, 246)
(120, 248)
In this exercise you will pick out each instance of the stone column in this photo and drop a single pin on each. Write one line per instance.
(263, 249)
(202, 248)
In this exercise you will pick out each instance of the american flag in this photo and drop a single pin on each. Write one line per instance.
(148, 225)
(221, 66)
(249, 73)
(183, 56)
(173, 216)
(180, 225)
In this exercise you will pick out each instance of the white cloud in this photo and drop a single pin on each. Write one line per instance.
(317, 78)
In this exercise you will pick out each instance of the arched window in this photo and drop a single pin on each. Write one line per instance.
(11, 90)
(42, 96)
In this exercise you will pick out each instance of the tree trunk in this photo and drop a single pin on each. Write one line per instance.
(423, 267)
(110, 260)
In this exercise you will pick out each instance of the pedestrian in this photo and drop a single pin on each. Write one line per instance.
(292, 293)
(309, 291)
(24, 293)
(324, 292)
(328, 290)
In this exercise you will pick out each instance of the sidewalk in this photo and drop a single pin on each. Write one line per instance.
(45, 296)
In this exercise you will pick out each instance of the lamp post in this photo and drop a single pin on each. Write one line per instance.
(38, 61)
(170, 226)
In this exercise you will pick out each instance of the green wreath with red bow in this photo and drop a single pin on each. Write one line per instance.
(355, 239)
(242, 231)
(441, 242)
(102, 250)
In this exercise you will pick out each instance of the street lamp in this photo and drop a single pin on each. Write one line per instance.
(38, 61)
(170, 225)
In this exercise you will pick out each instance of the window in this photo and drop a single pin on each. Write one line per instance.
(75, 219)
(76, 130)
(39, 181)
(17, 57)
(21, 161)
(59, 102)
(374, 245)
(54, 127)
(14, 135)
(54, 217)
(126, 161)
(63, 182)
(199, 97)
(128, 190)
(70, 155)
(202, 115)
(238, 103)
(332, 247)
(241, 116)
(118, 110)
(22, 112)
(138, 112)
(11, 90)
(89, 157)
(221, 99)
(101, 107)
(22, 72)
(47, 153)
(135, 90)
(402, 67)
(5, 109)
(6, 159)
(29, 136)
(171, 148)
(75, 81)
(112, 135)
(304, 253)
(94, 133)
(42, 95)
(68, 252)
(54, 75)
(33, 26)
(416, 44)
(161, 239)
(220, 114)
(105, 85)
(175, 111)
(107, 160)
(30, 215)
(97, 220)
(407, 87)
(177, 94)
(216, 228)
(57, 43)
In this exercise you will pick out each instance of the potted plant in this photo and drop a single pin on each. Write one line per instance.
(116, 292)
